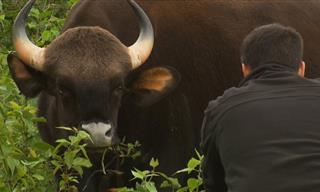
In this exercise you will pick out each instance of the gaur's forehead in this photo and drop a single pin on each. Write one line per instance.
(87, 80)
(87, 53)
(84, 89)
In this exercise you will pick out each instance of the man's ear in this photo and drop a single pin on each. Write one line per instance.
(27, 79)
(151, 85)
(246, 70)
(302, 69)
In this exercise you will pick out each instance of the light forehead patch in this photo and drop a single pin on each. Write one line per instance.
(95, 55)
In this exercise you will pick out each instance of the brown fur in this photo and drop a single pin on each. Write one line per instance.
(68, 55)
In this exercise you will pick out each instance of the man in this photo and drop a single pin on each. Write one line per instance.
(264, 136)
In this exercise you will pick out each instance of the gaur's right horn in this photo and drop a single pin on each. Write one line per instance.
(29, 53)
(141, 49)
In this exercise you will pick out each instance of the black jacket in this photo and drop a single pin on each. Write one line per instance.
(264, 136)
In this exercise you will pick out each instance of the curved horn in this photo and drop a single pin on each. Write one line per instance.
(29, 53)
(141, 49)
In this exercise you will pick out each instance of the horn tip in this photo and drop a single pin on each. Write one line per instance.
(132, 2)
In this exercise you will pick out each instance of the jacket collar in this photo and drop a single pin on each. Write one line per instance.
(269, 71)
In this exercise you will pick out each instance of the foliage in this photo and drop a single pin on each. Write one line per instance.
(23, 156)
(22, 162)
(70, 164)
(146, 183)
(121, 152)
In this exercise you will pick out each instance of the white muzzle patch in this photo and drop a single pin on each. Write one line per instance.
(100, 133)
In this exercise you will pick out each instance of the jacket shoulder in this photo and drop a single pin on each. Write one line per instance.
(215, 110)
(228, 94)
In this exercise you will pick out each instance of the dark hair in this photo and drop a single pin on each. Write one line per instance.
(273, 43)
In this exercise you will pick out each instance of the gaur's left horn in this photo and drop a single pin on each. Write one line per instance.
(29, 53)
(141, 49)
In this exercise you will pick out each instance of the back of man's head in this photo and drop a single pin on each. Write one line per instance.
(273, 43)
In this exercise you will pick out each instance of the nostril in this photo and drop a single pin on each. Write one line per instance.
(108, 133)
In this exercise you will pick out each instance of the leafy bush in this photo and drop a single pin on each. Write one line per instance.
(70, 164)
(145, 181)
(23, 156)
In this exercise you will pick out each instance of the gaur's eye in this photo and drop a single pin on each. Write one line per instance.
(63, 92)
(119, 89)
(60, 91)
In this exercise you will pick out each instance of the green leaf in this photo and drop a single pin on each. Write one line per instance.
(84, 136)
(32, 25)
(42, 146)
(2, 17)
(136, 155)
(154, 163)
(139, 174)
(2, 184)
(150, 175)
(125, 189)
(200, 157)
(69, 157)
(33, 153)
(62, 141)
(32, 164)
(79, 170)
(79, 161)
(62, 184)
(84, 152)
(35, 12)
(165, 184)
(58, 168)
(183, 189)
(38, 177)
(192, 164)
(80, 136)
(174, 182)
(193, 184)
(22, 170)
(39, 119)
(65, 128)
(55, 32)
(12, 164)
(15, 106)
(150, 187)
(183, 170)
(46, 35)
(74, 140)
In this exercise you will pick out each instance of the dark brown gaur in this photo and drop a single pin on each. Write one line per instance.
(34, 56)
(87, 80)
(83, 76)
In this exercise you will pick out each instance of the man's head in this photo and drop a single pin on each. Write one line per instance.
(272, 44)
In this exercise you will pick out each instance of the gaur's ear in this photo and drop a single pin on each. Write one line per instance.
(26, 78)
(151, 85)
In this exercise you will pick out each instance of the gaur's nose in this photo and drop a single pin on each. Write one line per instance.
(101, 133)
